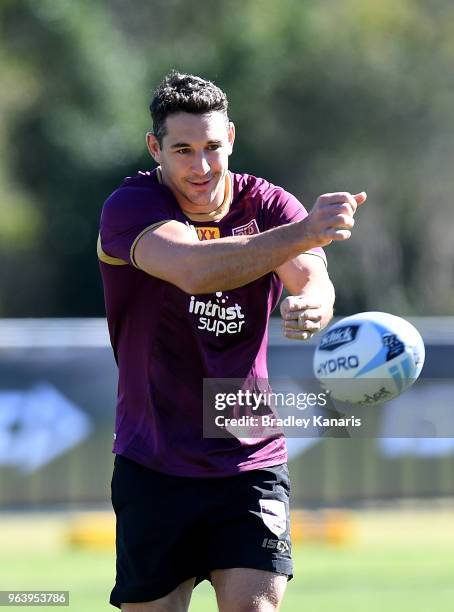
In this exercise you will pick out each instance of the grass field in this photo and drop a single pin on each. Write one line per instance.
(397, 561)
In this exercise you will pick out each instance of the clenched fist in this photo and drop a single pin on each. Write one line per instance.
(331, 217)
(301, 317)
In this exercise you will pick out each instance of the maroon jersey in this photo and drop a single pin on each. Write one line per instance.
(166, 341)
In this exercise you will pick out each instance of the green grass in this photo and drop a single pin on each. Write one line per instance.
(396, 563)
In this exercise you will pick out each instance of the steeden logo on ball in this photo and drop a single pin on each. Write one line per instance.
(372, 357)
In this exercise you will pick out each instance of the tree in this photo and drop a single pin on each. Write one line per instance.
(325, 96)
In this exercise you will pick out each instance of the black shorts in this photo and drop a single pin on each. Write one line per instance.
(172, 528)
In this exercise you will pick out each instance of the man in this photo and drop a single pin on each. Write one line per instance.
(193, 260)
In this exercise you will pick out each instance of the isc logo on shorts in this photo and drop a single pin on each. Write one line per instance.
(279, 545)
(208, 233)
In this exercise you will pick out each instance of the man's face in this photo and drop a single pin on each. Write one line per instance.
(194, 158)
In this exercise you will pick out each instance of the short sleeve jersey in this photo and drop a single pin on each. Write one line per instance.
(166, 341)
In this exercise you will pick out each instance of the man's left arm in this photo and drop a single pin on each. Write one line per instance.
(309, 307)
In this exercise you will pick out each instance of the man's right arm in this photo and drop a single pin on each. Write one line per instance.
(173, 252)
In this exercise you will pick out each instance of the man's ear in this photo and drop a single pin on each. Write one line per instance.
(153, 147)
(231, 136)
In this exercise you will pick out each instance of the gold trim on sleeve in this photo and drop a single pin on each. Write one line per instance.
(144, 231)
(107, 259)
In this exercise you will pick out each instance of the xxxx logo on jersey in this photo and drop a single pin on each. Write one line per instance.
(208, 233)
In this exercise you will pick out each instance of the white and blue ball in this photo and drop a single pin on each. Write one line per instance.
(369, 358)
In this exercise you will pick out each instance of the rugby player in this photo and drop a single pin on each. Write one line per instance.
(193, 260)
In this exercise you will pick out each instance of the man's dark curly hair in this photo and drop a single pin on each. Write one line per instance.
(184, 93)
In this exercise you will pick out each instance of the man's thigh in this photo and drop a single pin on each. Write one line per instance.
(157, 533)
(176, 601)
(248, 590)
(251, 525)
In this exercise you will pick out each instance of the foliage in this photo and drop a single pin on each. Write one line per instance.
(326, 96)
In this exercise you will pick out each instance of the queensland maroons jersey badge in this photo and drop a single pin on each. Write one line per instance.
(247, 229)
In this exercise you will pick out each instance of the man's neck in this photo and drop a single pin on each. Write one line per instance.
(217, 209)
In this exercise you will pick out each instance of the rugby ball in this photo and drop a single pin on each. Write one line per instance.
(369, 358)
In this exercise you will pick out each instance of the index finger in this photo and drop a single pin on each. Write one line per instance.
(339, 197)
(311, 312)
(302, 305)
(360, 197)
